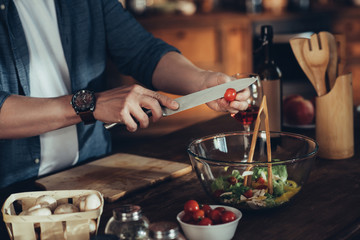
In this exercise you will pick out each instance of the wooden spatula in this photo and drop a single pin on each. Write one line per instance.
(316, 52)
(341, 50)
(331, 70)
(297, 45)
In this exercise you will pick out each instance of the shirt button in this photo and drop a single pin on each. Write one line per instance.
(36, 161)
(2, 6)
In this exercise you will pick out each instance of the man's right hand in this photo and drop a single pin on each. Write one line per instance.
(124, 105)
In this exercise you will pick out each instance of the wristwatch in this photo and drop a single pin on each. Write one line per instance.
(83, 102)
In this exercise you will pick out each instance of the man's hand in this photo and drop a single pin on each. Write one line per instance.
(239, 104)
(124, 105)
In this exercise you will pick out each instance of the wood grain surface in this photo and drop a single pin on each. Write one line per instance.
(115, 175)
(327, 208)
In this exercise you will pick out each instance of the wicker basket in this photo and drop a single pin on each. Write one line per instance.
(71, 226)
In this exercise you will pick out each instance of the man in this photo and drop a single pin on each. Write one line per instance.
(53, 53)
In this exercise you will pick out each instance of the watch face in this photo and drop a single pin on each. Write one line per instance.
(83, 101)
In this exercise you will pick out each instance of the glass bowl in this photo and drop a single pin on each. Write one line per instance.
(221, 164)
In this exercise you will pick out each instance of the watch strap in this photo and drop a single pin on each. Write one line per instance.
(87, 117)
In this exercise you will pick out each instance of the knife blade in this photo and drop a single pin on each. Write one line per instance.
(198, 98)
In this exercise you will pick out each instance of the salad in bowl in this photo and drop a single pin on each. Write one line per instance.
(220, 162)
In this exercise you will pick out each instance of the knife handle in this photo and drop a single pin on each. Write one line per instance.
(110, 125)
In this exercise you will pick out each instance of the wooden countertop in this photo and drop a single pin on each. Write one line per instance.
(327, 208)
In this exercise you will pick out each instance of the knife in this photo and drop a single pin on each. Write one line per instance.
(204, 96)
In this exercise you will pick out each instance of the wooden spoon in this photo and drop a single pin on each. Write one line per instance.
(316, 52)
(341, 50)
(297, 45)
(333, 60)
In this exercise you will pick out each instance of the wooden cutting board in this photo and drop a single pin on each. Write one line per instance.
(115, 175)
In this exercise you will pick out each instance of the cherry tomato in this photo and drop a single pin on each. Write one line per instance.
(187, 218)
(221, 209)
(207, 209)
(230, 94)
(191, 206)
(232, 180)
(198, 215)
(261, 187)
(248, 193)
(205, 222)
(215, 216)
(227, 216)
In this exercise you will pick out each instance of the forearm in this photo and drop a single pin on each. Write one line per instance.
(176, 74)
(22, 116)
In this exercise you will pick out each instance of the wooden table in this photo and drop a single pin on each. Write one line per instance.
(327, 208)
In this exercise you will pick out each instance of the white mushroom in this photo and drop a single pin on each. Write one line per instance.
(80, 202)
(89, 202)
(46, 200)
(36, 207)
(66, 208)
(36, 210)
(92, 226)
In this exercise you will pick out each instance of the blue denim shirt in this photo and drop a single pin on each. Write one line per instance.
(92, 32)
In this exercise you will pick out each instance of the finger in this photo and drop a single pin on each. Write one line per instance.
(165, 100)
(153, 105)
(236, 106)
(243, 95)
(129, 121)
(140, 117)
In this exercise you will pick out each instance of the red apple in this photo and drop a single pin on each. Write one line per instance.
(298, 111)
(289, 98)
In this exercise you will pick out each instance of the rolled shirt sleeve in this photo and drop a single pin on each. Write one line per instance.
(3, 97)
(135, 51)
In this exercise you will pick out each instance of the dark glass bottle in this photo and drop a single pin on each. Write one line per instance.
(270, 77)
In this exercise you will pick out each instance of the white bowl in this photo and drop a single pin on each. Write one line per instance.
(225, 231)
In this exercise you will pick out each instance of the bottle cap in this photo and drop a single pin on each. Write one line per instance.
(127, 213)
(164, 230)
(267, 32)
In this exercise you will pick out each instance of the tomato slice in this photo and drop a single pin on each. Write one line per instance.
(218, 192)
(248, 193)
(260, 180)
(232, 180)
(230, 94)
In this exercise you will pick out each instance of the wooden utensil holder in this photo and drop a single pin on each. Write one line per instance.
(334, 120)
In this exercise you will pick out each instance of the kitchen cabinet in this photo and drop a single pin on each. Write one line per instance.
(349, 25)
(199, 44)
(217, 42)
(224, 41)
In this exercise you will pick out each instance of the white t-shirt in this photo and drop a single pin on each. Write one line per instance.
(49, 77)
